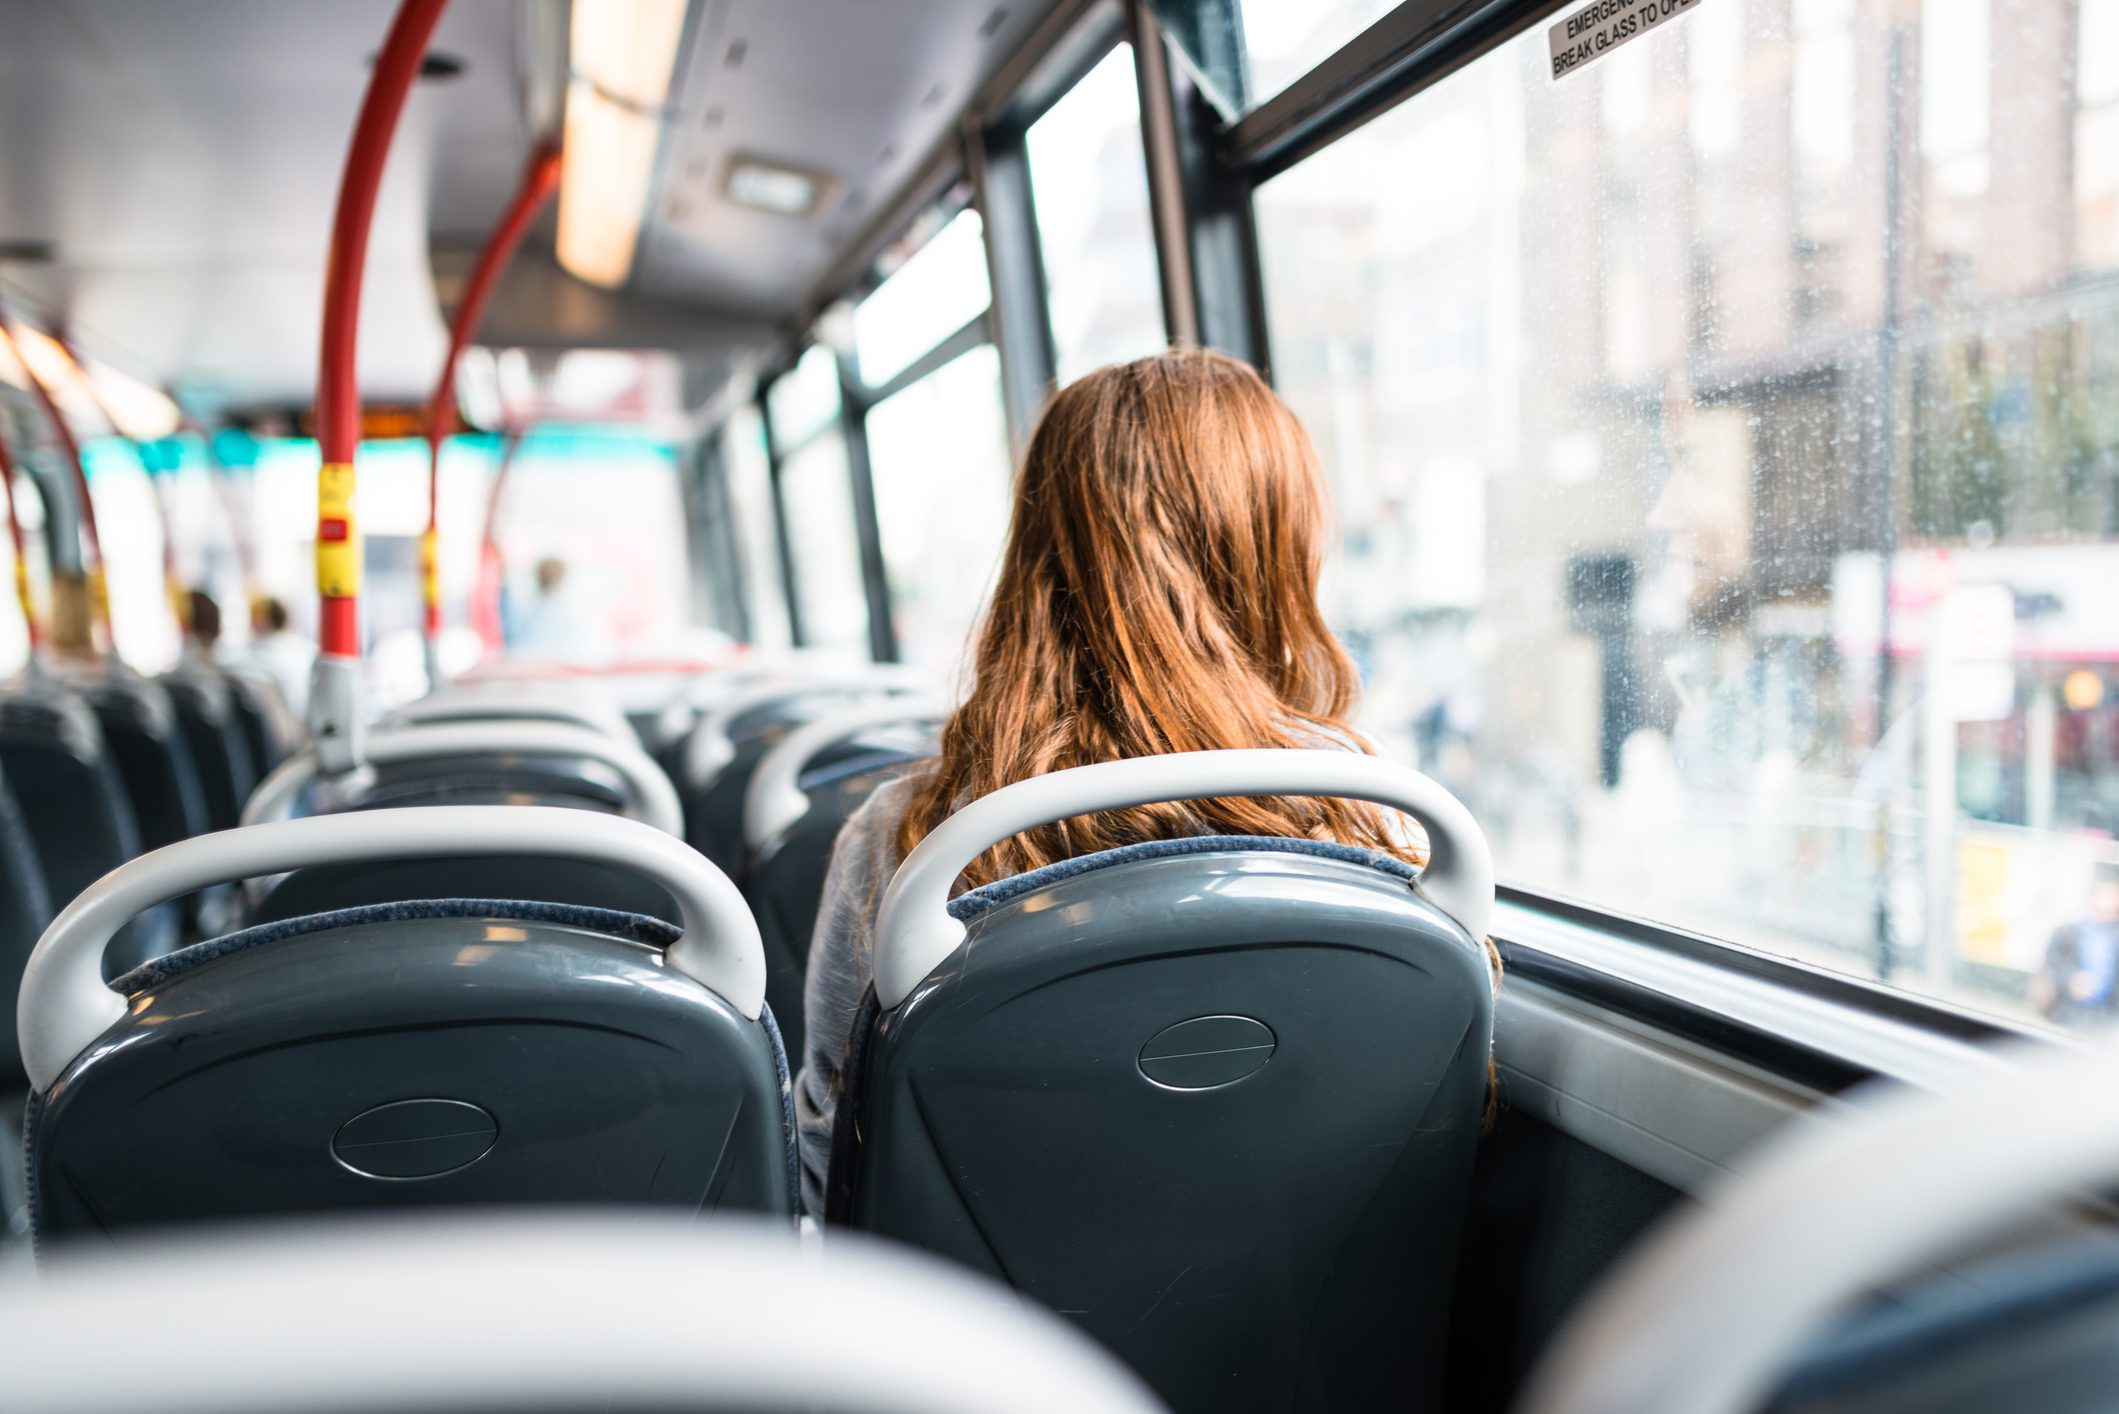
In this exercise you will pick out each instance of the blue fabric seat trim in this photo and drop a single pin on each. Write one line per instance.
(858, 765)
(988, 897)
(633, 927)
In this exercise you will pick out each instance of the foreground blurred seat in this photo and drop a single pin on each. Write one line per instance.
(631, 1316)
(1215, 1098)
(423, 1053)
(1760, 1296)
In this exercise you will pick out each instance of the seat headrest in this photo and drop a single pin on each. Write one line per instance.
(632, 927)
(988, 897)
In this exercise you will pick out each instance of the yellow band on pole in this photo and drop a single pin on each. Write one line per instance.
(430, 566)
(99, 595)
(338, 543)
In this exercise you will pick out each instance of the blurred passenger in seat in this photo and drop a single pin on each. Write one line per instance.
(2079, 984)
(281, 654)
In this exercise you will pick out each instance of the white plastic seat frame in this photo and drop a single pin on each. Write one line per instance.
(704, 691)
(474, 1312)
(64, 1004)
(651, 799)
(709, 747)
(1706, 1314)
(511, 704)
(914, 932)
(775, 799)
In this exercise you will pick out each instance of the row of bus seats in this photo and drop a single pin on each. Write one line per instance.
(508, 960)
(96, 766)
(1004, 1108)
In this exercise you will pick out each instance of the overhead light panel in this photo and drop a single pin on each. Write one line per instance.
(771, 186)
(623, 56)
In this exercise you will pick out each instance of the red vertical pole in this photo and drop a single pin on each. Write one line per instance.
(540, 178)
(23, 593)
(91, 537)
(334, 703)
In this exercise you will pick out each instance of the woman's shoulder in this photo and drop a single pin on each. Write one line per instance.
(874, 822)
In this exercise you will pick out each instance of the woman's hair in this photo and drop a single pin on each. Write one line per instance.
(1158, 593)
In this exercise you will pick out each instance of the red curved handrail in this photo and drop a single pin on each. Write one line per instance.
(14, 530)
(337, 393)
(91, 537)
(540, 178)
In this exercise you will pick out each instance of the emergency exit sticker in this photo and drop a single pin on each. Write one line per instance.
(1598, 28)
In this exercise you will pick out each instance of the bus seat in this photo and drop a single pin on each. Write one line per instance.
(621, 1314)
(1215, 1098)
(25, 908)
(152, 758)
(724, 750)
(207, 714)
(2026, 1329)
(267, 725)
(794, 810)
(75, 811)
(465, 763)
(424, 1053)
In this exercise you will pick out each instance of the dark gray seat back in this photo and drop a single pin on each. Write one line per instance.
(425, 1054)
(152, 758)
(472, 780)
(25, 908)
(255, 719)
(1215, 1099)
(713, 805)
(74, 809)
(206, 712)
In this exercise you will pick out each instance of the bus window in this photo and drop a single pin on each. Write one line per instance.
(750, 495)
(940, 288)
(1090, 187)
(1733, 527)
(939, 455)
(816, 496)
(619, 548)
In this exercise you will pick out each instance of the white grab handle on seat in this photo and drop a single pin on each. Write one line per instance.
(653, 800)
(914, 931)
(1703, 1317)
(709, 748)
(775, 798)
(475, 1311)
(65, 1005)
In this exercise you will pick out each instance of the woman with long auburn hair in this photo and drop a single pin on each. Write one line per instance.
(1158, 593)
